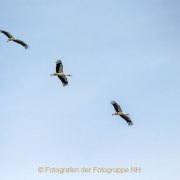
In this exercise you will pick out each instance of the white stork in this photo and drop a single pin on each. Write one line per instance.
(121, 113)
(11, 38)
(59, 73)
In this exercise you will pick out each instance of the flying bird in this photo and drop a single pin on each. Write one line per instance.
(11, 38)
(60, 74)
(121, 113)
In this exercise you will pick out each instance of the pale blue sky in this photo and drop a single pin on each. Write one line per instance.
(126, 51)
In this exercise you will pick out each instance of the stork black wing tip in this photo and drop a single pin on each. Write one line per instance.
(26, 47)
(58, 61)
(130, 123)
(65, 84)
(112, 102)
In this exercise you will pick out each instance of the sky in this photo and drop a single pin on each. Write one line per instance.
(127, 51)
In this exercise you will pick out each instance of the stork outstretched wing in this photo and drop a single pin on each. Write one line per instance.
(59, 66)
(127, 119)
(7, 34)
(116, 106)
(63, 80)
(22, 43)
